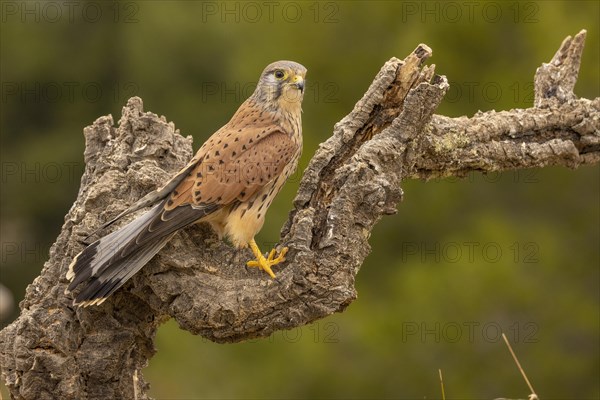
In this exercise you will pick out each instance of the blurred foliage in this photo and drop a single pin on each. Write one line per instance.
(461, 260)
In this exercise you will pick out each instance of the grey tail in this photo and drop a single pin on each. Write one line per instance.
(105, 265)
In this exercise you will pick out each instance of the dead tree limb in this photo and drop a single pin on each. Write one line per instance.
(56, 351)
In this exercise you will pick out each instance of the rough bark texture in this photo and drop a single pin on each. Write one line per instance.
(56, 351)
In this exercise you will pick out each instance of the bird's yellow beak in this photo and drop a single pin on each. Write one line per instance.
(298, 81)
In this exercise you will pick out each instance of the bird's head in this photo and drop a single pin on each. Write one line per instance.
(282, 85)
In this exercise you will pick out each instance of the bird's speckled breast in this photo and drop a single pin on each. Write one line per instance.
(243, 220)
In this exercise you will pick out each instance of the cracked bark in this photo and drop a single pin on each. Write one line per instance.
(56, 351)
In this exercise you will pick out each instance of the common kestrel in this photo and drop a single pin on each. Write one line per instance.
(229, 183)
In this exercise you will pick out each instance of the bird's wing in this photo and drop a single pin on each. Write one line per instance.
(234, 168)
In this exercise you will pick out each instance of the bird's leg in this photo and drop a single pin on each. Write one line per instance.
(266, 263)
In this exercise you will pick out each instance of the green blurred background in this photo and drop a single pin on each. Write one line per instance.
(461, 261)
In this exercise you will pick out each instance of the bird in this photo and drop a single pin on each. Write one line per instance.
(229, 183)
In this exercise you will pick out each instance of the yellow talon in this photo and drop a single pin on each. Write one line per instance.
(266, 263)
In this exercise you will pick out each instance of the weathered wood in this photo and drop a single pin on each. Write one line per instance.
(56, 351)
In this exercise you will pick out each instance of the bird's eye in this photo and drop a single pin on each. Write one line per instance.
(279, 74)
